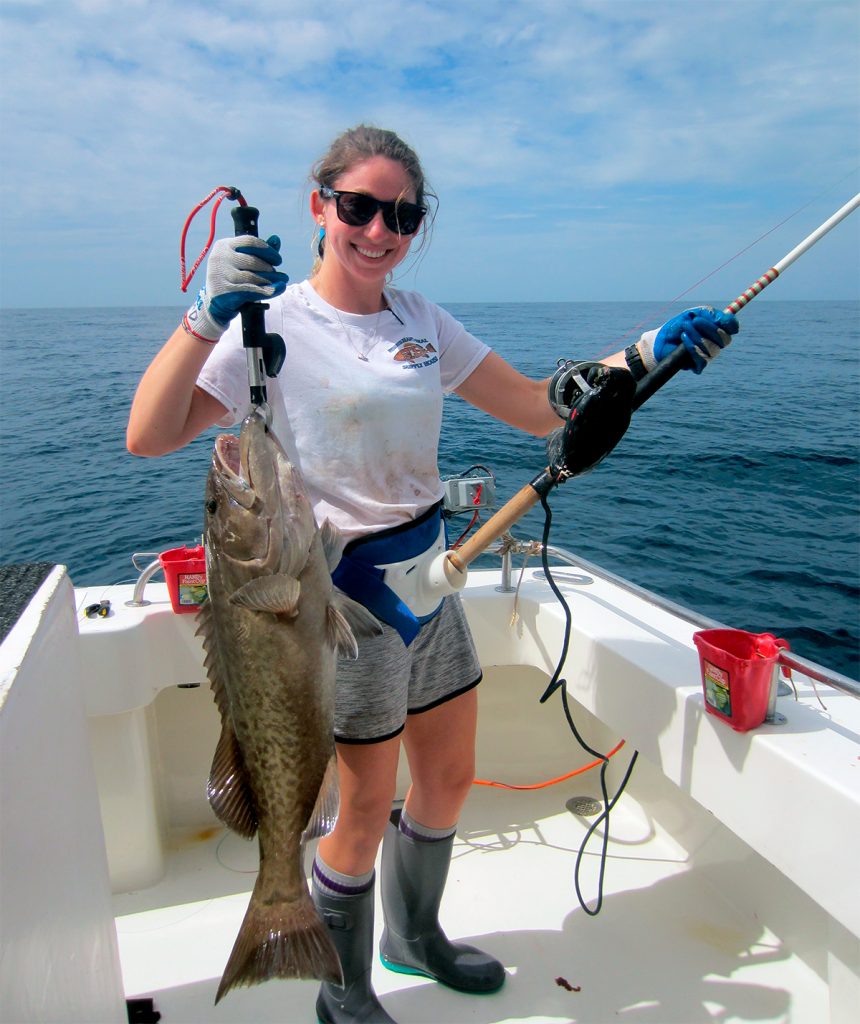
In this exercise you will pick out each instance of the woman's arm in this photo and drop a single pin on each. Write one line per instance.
(169, 410)
(497, 388)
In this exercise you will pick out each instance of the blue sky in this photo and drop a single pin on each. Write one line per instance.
(581, 150)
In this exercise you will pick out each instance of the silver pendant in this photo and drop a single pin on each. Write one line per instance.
(363, 357)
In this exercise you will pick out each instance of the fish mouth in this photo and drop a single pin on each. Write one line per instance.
(232, 465)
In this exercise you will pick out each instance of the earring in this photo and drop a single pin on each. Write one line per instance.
(321, 241)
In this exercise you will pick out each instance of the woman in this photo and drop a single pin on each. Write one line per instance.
(358, 406)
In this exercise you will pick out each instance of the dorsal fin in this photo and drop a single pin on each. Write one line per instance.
(228, 789)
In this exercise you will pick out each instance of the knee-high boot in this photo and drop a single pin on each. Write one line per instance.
(413, 878)
(349, 920)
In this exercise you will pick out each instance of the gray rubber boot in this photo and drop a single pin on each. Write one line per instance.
(349, 920)
(413, 877)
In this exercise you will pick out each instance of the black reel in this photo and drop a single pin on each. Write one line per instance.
(600, 400)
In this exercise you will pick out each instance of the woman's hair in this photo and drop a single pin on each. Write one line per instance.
(361, 143)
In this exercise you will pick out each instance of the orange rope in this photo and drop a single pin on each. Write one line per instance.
(552, 782)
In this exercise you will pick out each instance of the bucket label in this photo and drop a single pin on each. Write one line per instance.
(718, 689)
(192, 588)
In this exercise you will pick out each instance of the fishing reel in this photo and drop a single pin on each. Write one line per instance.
(596, 402)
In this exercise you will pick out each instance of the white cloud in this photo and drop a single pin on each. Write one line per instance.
(117, 118)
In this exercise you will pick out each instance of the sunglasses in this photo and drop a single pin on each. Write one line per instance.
(358, 209)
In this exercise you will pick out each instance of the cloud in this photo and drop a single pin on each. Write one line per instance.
(118, 118)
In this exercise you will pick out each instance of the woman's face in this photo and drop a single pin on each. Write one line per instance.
(369, 252)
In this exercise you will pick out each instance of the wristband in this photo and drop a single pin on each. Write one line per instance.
(183, 323)
(198, 320)
(634, 362)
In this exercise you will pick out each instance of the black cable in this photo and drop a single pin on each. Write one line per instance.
(557, 683)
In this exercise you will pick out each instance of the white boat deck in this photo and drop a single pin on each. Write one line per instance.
(667, 946)
(730, 889)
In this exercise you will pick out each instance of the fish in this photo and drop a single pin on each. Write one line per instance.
(272, 627)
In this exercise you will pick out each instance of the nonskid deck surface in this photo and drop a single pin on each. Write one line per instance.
(665, 948)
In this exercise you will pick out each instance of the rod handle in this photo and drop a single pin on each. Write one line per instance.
(513, 510)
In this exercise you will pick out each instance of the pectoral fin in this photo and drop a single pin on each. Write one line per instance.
(278, 594)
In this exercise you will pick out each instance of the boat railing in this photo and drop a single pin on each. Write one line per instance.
(509, 547)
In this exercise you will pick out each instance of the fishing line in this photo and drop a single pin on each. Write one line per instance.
(557, 683)
(637, 328)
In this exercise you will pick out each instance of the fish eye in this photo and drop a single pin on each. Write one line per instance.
(212, 506)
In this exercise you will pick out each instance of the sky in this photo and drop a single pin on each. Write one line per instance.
(588, 150)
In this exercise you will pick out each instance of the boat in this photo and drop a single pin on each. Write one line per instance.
(631, 851)
(724, 871)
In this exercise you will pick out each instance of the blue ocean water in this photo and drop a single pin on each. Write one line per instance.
(736, 492)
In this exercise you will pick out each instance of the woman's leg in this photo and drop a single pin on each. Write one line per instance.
(343, 879)
(367, 778)
(417, 850)
(440, 745)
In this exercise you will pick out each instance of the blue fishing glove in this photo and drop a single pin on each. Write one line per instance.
(703, 332)
(239, 271)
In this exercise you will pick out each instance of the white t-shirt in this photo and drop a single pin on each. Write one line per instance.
(365, 434)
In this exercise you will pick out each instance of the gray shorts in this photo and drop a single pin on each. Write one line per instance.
(389, 680)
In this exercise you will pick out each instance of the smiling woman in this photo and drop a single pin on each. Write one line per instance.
(384, 166)
(358, 408)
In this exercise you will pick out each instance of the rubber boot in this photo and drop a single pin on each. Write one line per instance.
(413, 877)
(349, 920)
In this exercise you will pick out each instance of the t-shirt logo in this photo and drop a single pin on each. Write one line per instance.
(414, 353)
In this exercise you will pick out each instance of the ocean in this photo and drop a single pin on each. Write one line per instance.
(735, 493)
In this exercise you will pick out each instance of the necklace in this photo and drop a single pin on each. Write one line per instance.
(371, 343)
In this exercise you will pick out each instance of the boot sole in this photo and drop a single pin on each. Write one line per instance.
(417, 972)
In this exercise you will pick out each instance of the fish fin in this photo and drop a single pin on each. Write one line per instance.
(229, 790)
(361, 621)
(340, 636)
(333, 544)
(280, 939)
(278, 594)
(324, 814)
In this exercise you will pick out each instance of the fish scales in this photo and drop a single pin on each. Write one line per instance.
(272, 628)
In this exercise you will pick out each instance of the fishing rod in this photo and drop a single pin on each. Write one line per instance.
(601, 409)
(667, 369)
(596, 423)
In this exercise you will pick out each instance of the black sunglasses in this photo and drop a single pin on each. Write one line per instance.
(358, 209)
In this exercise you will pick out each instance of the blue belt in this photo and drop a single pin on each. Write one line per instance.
(358, 574)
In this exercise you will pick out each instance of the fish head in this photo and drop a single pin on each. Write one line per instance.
(253, 498)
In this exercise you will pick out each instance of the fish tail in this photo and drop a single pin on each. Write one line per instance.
(280, 939)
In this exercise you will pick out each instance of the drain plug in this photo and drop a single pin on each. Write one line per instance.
(584, 806)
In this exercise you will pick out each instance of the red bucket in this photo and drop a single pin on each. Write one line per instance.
(737, 672)
(185, 572)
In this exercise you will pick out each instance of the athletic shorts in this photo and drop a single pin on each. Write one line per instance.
(388, 681)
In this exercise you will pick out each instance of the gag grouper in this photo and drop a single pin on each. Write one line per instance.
(272, 628)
